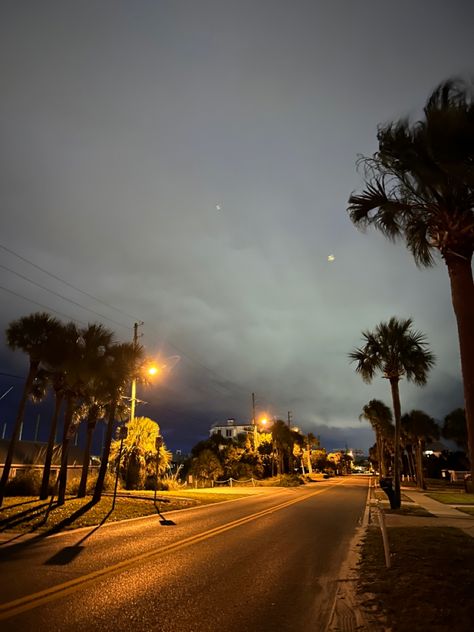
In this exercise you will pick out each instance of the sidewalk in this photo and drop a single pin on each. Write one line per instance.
(442, 515)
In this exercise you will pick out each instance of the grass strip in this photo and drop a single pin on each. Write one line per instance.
(452, 498)
(429, 586)
(27, 515)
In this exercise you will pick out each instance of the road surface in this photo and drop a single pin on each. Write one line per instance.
(266, 562)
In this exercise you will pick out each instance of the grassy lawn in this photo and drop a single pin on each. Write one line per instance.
(25, 514)
(409, 510)
(467, 510)
(452, 498)
(428, 587)
(380, 495)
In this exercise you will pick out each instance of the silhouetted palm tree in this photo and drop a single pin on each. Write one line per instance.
(283, 442)
(34, 335)
(84, 361)
(420, 427)
(380, 418)
(395, 350)
(454, 427)
(120, 367)
(420, 186)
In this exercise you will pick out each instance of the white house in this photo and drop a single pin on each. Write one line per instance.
(231, 429)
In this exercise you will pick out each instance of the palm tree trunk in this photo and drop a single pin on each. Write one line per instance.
(462, 293)
(310, 466)
(105, 455)
(420, 479)
(50, 447)
(65, 450)
(411, 466)
(396, 460)
(16, 429)
(85, 463)
(380, 459)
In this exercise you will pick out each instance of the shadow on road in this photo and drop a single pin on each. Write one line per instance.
(69, 553)
(163, 520)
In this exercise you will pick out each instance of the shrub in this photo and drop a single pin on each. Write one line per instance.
(25, 483)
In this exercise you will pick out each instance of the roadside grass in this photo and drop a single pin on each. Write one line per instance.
(22, 514)
(428, 587)
(466, 510)
(409, 510)
(381, 495)
(452, 498)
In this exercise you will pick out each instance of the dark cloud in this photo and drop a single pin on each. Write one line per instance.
(123, 125)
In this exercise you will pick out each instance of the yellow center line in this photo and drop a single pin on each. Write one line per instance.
(28, 602)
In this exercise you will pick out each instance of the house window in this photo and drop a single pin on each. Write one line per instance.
(228, 432)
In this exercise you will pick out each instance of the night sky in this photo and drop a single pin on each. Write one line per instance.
(187, 163)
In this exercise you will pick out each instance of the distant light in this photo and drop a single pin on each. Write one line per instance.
(331, 257)
(218, 207)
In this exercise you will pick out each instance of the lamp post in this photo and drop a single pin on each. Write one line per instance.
(158, 446)
(122, 433)
(151, 371)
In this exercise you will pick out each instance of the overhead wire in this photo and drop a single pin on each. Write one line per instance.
(25, 298)
(223, 385)
(74, 287)
(65, 298)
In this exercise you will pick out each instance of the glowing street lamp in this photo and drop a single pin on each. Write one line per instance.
(152, 370)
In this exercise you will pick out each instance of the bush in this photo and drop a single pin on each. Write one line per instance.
(25, 483)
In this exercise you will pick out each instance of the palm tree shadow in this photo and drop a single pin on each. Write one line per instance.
(69, 553)
(163, 520)
(15, 550)
(19, 518)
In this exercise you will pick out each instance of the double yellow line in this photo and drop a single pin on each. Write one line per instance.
(28, 602)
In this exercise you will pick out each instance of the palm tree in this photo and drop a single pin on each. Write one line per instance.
(57, 379)
(380, 418)
(283, 442)
(35, 335)
(310, 441)
(84, 361)
(395, 350)
(120, 368)
(454, 427)
(420, 427)
(420, 186)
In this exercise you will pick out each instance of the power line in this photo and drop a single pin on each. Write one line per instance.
(70, 300)
(212, 373)
(54, 276)
(50, 309)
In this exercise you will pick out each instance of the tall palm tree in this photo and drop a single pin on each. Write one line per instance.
(57, 379)
(380, 418)
(420, 187)
(394, 349)
(35, 335)
(86, 352)
(283, 441)
(420, 427)
(121, 365)
(454, 427)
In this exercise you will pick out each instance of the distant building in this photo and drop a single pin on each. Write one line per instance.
(231, 429)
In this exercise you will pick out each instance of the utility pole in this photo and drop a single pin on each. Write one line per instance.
(254, 422)
(37, 428)
(133, 394)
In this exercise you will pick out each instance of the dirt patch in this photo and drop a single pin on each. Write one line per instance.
(429, 586)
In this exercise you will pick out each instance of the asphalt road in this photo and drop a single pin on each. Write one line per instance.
(266, 562)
